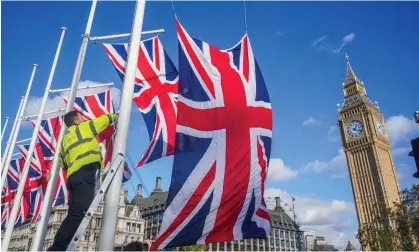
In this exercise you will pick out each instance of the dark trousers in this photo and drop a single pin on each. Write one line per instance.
(81, 187)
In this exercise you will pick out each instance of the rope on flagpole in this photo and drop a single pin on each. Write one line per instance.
(173, 7)
(245, 15)
(138, 175)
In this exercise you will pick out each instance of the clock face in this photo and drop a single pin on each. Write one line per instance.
(355, 128)
(380, 127)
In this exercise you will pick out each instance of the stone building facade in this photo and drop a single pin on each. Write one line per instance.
(130, 227)
(141, 220)
(285, 233)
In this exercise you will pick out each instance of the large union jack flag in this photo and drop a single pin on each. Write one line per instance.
(93, 106)
(9, 191)
(223, 141)
(155, 94)
(48, 138)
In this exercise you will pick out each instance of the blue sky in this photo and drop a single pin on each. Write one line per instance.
(300, 47)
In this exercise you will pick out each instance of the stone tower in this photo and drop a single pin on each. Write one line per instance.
(367, 147)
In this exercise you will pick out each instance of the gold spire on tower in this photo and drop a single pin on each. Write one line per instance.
(350, 74)
(352, 84)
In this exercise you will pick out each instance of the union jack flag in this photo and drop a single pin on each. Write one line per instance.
(37, 175)
(223, 141)
(127, 173)
(93, 106)
(48, 138)
(48, 135)
(9, 191)
(155, 94)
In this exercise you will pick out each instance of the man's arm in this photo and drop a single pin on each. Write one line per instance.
(62, 162)
(99, 124)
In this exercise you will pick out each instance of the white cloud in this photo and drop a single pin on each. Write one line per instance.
(279, 171)
(405, 172)
(279, 33)
(401, 151)
(348, 38)
(319, 40)
(34, 105)
(116, 97)
(340, 175)
(337, 164)
(322, 43)
(56, 102)
(311, 121)
(333, 134)
(333, 219)
(345, 41)
(401, 128)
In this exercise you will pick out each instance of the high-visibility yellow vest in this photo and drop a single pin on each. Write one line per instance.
(80, 147)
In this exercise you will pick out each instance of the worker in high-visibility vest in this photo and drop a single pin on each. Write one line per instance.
(81, 157)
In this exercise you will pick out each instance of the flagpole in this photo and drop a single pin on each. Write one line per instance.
(80, 88)
(8, 157)
(110, 213)
(4, 128)
(21, 187)
(6, 150)
(42, 224)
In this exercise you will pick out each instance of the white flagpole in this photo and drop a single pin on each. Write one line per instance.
(80, 88)
(124, 35)
(8, 157)
(21, 187)
(42, 224)
(110, 213)
(31, 117)
(4, 128)
(6, 150)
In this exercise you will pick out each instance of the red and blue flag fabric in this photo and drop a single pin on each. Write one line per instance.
(155, 94)
(96, 105)
(38, 170)
(9, 191)
(223, 142)
(127, 173)
(48, 137)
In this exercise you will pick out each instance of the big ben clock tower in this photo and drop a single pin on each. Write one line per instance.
(368, 151)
